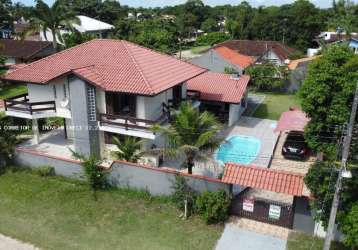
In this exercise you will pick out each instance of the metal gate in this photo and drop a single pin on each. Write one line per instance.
(267, 211)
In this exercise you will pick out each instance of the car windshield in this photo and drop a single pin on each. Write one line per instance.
(295, 137)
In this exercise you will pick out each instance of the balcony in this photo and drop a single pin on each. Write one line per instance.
(19, 106)
(131, 126)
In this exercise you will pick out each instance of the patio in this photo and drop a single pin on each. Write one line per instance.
(52, 143)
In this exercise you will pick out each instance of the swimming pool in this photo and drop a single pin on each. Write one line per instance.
(239, 149)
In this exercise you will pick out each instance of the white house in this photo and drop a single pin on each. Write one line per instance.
(105, 88)
(88, 25)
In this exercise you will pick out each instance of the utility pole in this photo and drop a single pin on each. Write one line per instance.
(346, 146)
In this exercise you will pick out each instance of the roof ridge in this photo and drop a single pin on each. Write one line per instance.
(137, 65)
(53, 55)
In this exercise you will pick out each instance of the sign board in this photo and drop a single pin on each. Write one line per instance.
(248, 205)
(274, 212)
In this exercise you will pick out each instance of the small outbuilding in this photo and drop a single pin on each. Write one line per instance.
(224, 95)
(268, 195)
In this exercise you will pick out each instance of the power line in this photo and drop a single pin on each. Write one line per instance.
(345, 154)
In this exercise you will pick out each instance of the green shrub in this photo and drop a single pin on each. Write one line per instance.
(213, 206)
(44, 171)
(183, 192)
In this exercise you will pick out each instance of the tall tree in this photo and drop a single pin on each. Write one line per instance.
(5, 10)
(327, 96)
(52, 18)
(192, 133)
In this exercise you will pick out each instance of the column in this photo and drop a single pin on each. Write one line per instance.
(35, 131)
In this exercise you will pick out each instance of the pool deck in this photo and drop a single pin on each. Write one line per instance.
(262, 129)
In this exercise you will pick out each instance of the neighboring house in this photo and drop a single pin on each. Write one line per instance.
(353, 43)
(102, 88)
(221, 59)
(329, 38)
(88, 25)
(239, 54)
(222, 94)
(298, 72)
(5, 33)
(17, 52)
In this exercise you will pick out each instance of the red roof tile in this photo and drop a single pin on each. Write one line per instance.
(258, 48)
(234, 57)
(114, 65)
(219, 87)
(263, 178)
(292, 120)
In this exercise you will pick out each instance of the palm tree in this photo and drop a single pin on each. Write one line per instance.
(52, 18)
(192, 133)
(129, 150)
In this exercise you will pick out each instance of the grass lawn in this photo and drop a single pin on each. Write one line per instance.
(11, 90)
(200, 49)
(274, 104)
(301, 241)
(58, 213)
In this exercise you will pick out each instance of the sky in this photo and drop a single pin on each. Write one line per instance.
(161, 3)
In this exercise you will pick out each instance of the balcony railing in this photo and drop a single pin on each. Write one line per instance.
(128, 122)
(21, 103)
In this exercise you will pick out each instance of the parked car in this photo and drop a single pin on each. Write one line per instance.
(295, 146)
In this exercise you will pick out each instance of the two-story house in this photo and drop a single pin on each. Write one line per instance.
(102, 88)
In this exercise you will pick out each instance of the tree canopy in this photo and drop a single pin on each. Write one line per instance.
(327, 96)
(295, 24)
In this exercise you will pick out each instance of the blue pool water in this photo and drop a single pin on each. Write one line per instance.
(239, 149)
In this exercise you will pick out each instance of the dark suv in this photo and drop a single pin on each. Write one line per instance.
(295, 146)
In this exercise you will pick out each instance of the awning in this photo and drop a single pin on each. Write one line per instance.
(263, 178)
(293, 120)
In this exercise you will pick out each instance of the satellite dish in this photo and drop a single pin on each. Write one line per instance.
(64, 103)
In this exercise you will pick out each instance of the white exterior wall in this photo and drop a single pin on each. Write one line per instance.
(101, 100)
(44, 93)
(10, 61)
(271, 56)
(150, 107)
(234, 113)
(184, 90)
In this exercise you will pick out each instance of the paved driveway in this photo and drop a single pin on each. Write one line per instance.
(235, 238)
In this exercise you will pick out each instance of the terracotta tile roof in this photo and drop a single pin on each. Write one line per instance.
(114, 65)
(257, 48)
(234, 57)
(22, 49)
(219, 87)
(292, 120)
(263, 178)
(295, 63)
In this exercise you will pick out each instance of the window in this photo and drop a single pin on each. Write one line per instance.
(54, 91)
(64, 91)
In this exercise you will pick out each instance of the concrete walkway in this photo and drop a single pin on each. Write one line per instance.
(7, 243)
(244, 234)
